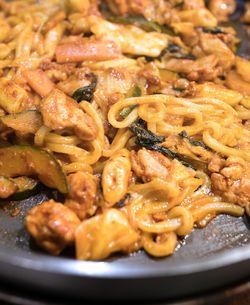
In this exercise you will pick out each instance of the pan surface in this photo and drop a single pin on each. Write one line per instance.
(207, 259)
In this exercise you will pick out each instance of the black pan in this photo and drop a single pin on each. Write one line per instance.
(207, 259)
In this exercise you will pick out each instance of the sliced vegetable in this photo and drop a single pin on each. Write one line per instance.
(174, 51)
(149, 140)
(143, 23)
(7, 187)
(87, 50)
(25, 122)
(173, 48)
(136, 92)
(184, 56)
(12, 96)
(145, 136)
(27, 160)
(184, 135)
(126, 111)
(214, 30)
(39, 82)
(26, 187)
(121, 203)
(137, 20)
(86, 93)
(167, 75)
(179, 4)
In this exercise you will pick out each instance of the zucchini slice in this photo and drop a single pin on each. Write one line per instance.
(26, 122)
(25, 160)
(7, 187)
(27, 187)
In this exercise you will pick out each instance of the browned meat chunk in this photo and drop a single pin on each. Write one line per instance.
(149, 165)
(221, 9)
(52, 225)
(231, 180)
(60, 112)
(82, 195)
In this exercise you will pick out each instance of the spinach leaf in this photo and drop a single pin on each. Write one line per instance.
(121, 203)
(126, 111)
(149, 140)
(143, 23)
(214, 30)
(86, 93)
(136, 92)
(174, 51)
(140, 20)
(184, 135)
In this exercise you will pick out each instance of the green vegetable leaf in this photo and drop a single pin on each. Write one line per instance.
(184, 135)
(148, 26)
(86, 93)
(149, 140)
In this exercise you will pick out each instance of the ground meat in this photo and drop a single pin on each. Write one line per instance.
(82, 195)
(60, 112)
(52, 225)
(150, 73)
(231, 180)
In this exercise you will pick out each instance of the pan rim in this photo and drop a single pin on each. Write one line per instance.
(117, 270)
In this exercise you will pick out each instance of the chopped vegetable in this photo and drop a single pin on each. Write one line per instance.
(7, 187)
(126, 111)
(86, 50)
(214, 30)
(26, 187)
(86, 93)
(184, 135)
(137, 20)
(143, 23)
(120, 204)
(167, 75)
(39, 82)
(149, 140)
(174, 51)
(25, 122)
(136, 92)
(184, 56)
(18, 160)
(145, 136)
(172, 47)
(179, 4)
